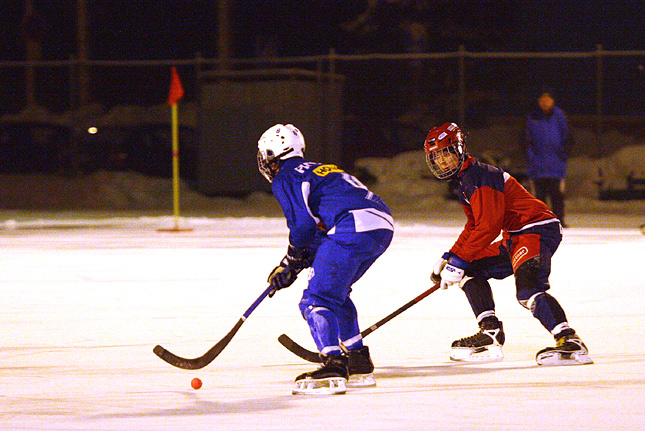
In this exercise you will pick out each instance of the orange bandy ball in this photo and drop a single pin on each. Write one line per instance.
(196, 383)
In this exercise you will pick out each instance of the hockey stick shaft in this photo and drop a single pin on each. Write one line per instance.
(310, 356)
(400, 310)
(213, 352)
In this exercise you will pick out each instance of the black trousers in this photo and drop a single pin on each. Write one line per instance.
(551, 192)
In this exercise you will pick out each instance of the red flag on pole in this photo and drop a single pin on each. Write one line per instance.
(176, 90)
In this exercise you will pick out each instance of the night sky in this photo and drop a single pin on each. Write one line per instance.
(160, 29)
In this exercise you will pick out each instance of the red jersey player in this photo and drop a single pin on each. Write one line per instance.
(496, 202)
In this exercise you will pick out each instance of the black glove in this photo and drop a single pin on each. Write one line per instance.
(290, 266)
(282, 277)
(297, 258)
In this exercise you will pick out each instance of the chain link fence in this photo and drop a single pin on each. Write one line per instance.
(389, 101)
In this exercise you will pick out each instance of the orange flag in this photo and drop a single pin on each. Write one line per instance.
(176, 90)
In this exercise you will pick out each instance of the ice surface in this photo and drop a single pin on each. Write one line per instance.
(84, 301)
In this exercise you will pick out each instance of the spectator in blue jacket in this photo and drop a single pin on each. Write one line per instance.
(548, 142)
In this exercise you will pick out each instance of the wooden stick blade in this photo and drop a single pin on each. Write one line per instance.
(298, 350)
(199, 362)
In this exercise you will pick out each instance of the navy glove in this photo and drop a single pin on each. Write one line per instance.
(285, 274)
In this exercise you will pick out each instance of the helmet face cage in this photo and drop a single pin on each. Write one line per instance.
(280, 142)
(445, 150)
(444, 163)
(265, 161)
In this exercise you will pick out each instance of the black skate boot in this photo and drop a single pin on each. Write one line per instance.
(569, 350)
(484, 346)
(360, 368)
(330, 378)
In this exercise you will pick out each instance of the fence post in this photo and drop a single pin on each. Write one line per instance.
(198, 65)
(462, 85)
(33, 46)
(73, 83)
(224, 34)
(599, 79)
(82, 24)
(332, 61)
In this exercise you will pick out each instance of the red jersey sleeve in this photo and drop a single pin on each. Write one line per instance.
(485, 221)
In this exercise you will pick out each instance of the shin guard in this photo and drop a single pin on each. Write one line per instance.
(323, 325)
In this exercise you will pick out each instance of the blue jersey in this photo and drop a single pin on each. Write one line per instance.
(317, 197)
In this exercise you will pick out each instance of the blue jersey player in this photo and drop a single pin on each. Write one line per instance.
(337, 228)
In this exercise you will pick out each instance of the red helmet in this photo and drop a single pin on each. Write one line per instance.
(445, 150)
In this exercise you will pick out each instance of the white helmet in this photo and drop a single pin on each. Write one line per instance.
(280, 142)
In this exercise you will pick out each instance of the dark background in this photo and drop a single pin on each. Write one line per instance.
(384, 111)
(160, 29)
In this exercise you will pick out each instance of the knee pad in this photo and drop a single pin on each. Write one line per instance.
(474, 284)
(306, 312)
(527, 274)
(530, 281)
(546, 309)
(308, 303)
(529, 303)
(464, 280)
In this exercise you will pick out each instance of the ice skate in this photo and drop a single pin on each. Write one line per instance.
(329, 379)
(569, 350)
(484, 346)
(360, 368)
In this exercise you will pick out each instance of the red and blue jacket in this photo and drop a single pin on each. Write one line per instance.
(494, 203)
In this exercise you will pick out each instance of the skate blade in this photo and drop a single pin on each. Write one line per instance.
(554, 359)
(329, 386)
(480, 354)
(361, 381)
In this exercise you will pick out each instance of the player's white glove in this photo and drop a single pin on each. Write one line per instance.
(450, 275)
(435, 277)
(450, 269)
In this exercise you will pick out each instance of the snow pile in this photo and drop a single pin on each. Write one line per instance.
(99, 190)
(404, 181)
(407, 177)
(120, 191)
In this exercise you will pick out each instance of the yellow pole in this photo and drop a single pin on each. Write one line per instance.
(175, 163)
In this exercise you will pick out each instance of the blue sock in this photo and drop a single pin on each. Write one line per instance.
(348, 326)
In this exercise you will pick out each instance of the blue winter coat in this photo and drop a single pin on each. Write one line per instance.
(547, 144)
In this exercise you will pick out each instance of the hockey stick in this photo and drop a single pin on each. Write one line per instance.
(310, 356)
(208, 357)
